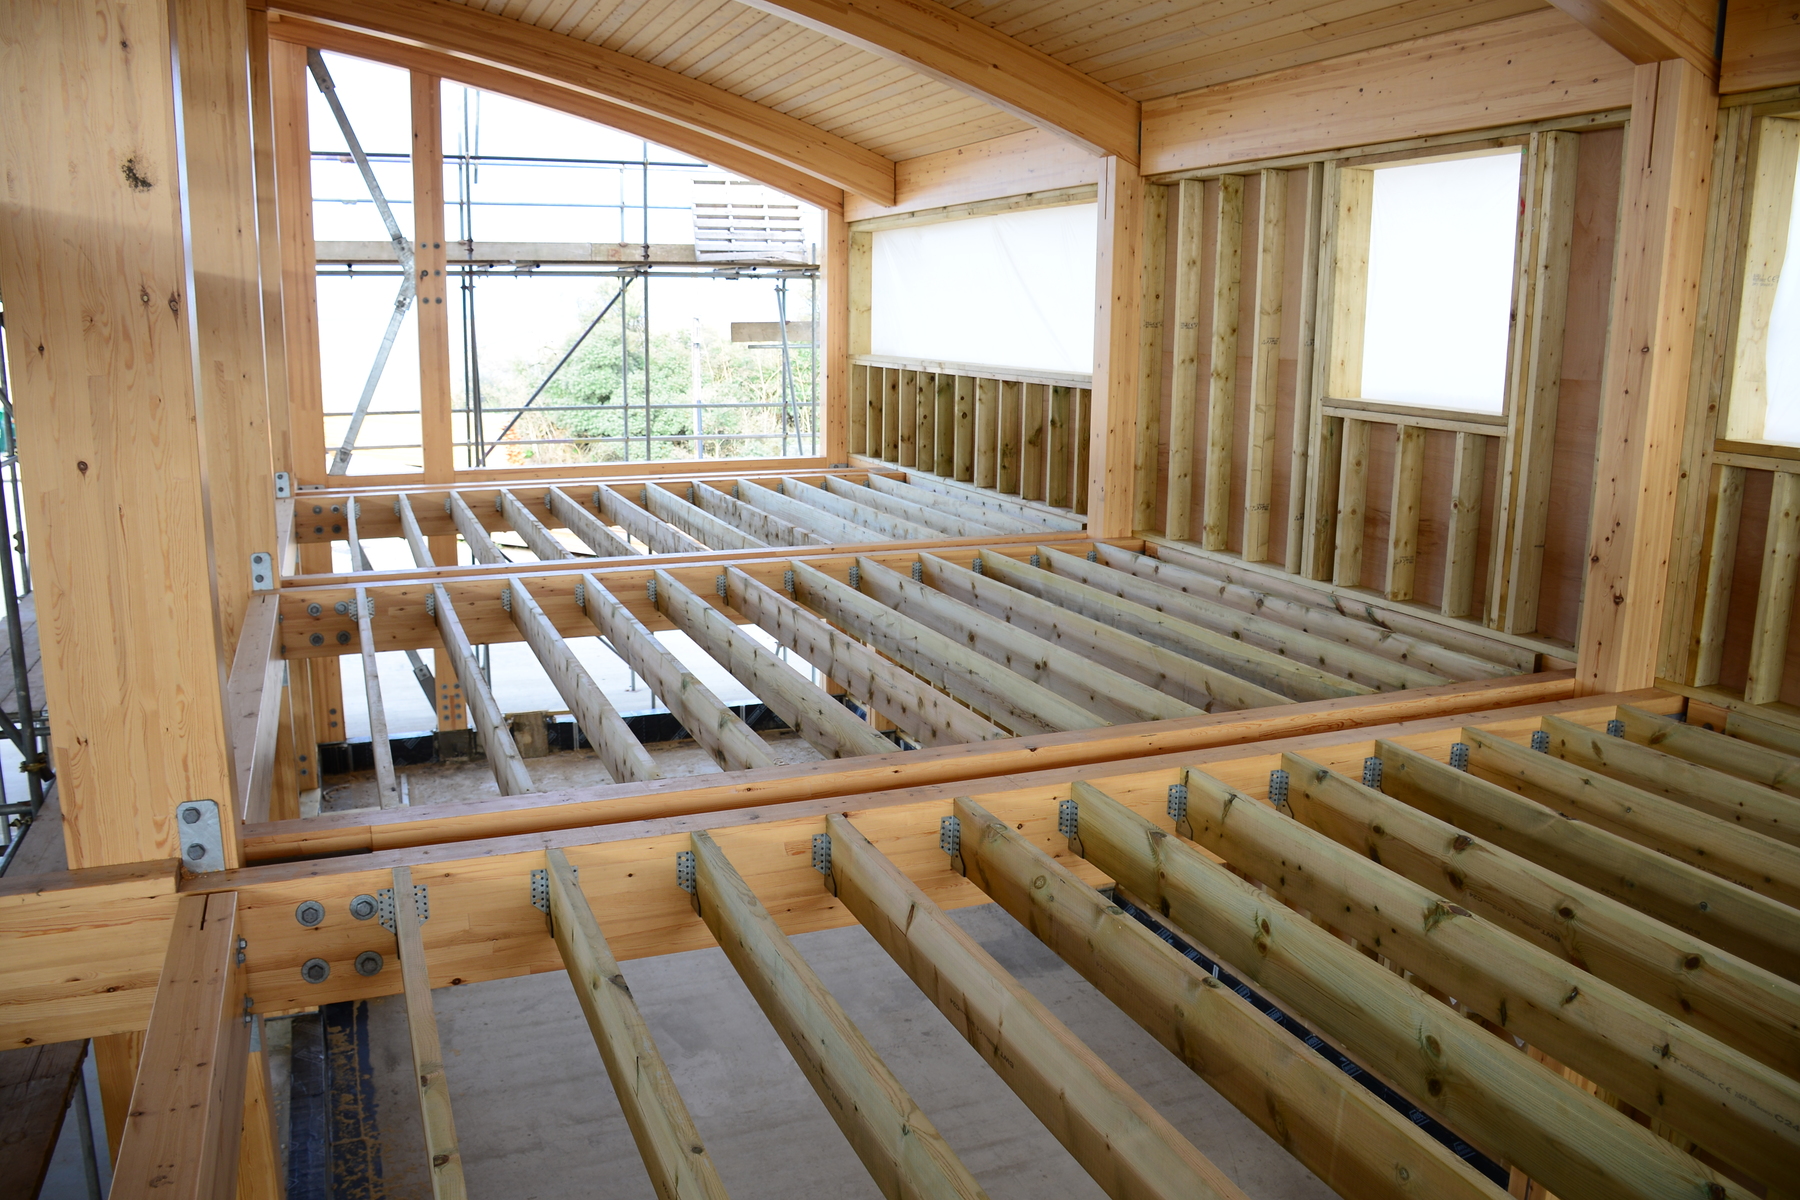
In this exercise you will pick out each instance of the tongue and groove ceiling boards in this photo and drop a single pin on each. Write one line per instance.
(841, 91)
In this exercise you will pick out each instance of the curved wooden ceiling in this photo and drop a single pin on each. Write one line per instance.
(817, 101)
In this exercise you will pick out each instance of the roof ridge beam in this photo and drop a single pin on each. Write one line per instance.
(960, 52)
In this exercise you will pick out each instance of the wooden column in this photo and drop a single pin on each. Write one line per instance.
(288, 83)
(435, 431)
(268, 236)
(186, 1119)
(846, 328)
(218, 185)
(1112, 440)
(1668, 157)
(98, 294)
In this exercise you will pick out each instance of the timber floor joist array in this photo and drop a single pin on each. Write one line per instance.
(945, 636)
(1555, 946)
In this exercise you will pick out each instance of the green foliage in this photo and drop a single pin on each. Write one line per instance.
(607, 395)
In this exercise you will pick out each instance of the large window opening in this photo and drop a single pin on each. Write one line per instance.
(1765, 377)
(606, 299)
(1007, 290)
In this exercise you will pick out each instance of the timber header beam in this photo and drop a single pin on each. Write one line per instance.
(936, 40)
(566, 62)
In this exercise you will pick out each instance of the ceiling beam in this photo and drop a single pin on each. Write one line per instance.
(1647, 31)
(628, 91)
(953, 49)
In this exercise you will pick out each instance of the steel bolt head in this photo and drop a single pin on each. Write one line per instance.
(315, 970)
(317, 639)
(309, 913)
(190, 815)
(363, 907)
(341, 607)
(369, 962)
(196, 852)
(343, 637)
(313, 610)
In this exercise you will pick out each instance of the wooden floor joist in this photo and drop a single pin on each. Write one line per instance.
(415, 538)
(1338, 1129)
(1747, 859)
(1696, 902)
(928, 516)
(1009, 700)
(748, 519)
(654, 532)
(1097, 689)
(897, 1143)
(920, 711)
(503, 754)
(1718, 993)
(816, 521)
(875, 523)
(670, 1145)
(1189, 680)
(721, 732)
(1707, 748)
(524, 523)
(696, 522)
(954, 503)
(481, 546)
(606, 731)
(1747, 805)
(442, 1150)
(387, 788)
(1738, 1108)
(1479, 1085)
(187, 1106)
(585, 525)
(1128, 1148)
(805, 706)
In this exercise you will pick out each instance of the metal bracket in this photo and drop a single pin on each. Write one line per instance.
(856, 576)
(684, 871)
(918, 572)
(821, 860)
(1372, 772)
(1278, 790)
(581, 595)
(1068, 823)
(202, 840)
(977, 566)
(719, 585)
(540, 888)
(284, 486)
(431, 604)
(950, 842)
(1093, 556)
(650, 587)
(1459, 755)
(384, 903)
(1615, 728)
(262, 571)
(1540, 741)
(787, 582)
(1178, 810)
(1037, 560)
(506, 598)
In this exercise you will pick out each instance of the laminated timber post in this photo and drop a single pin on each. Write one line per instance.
(1128, 1147)
(666, 1138)
(441, 1148)
(1483, 1087)
(1737, 1108)
(436, 430)
(1113, 405)
(897, 1143)
(1649, 349)
(100, 336)
(1339, 1130)
(218, 192)
(181, 1134)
